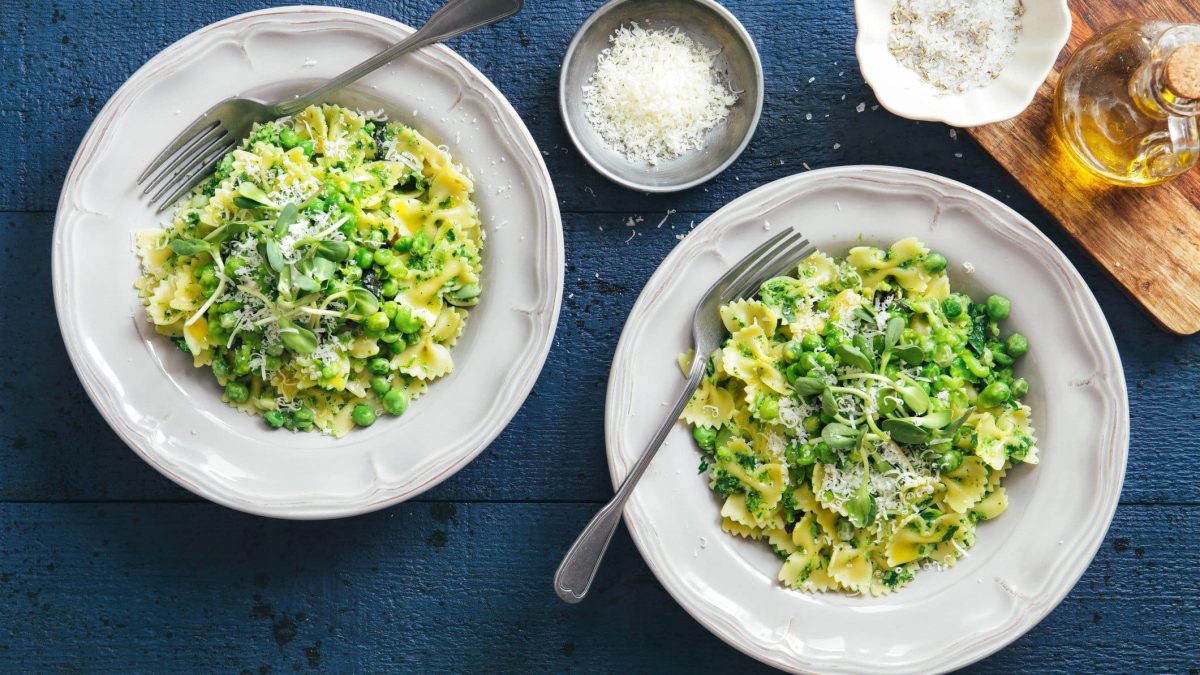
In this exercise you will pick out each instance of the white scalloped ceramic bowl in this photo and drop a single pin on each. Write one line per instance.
(170, 412)
(1045, 29)
(1024, 562)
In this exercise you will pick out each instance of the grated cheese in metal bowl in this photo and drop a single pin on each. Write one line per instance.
(654, 94)
(955, 45)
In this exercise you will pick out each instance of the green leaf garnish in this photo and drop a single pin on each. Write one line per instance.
(839, 436)
(895, 326)
(905, 432)
(336, 251)
(297, 338)
(287, 216)
(274, 255)
(364, 300)
(809, 386)
(853, 357)
(190, 246)
(910, 354)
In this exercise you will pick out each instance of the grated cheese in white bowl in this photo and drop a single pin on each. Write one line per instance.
(654, 94)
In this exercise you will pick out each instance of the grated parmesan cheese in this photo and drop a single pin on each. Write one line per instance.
(654, 94)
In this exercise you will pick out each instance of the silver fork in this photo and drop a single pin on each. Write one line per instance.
(195, 152)
(578, 568)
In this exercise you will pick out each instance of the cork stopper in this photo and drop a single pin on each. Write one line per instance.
(1183, 71)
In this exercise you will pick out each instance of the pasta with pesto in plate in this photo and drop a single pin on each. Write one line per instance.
(323, 272)
(860, 418)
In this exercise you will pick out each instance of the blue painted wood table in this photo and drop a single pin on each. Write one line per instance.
(107, 566)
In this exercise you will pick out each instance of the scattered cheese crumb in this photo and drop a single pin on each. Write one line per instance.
(969, 268)
(860, 107)
(654, 94)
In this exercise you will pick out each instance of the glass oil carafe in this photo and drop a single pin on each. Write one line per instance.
(1126, 103)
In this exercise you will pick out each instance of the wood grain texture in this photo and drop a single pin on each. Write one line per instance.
(1147, 239)
(106, 566)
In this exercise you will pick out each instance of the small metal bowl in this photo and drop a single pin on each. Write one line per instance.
(711, 26)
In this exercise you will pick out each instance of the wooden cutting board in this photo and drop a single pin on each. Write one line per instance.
(1148, 239)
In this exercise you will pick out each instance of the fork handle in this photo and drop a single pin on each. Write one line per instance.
(453, 18)
(578, 567)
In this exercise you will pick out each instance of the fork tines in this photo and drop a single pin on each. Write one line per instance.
(769, 260)
(185, 162)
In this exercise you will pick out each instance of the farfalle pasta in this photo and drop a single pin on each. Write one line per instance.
(860, 417)
(324, 271)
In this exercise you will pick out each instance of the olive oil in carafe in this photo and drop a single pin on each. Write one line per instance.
(1126, 102)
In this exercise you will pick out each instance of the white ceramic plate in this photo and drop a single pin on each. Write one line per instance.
(169, 412)
(1045, 28)
(1023, 563)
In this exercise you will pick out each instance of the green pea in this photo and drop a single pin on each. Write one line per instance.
(964, 437)
(315, 205)
(377, 322)
(403, 244)
(794, 372)
(952, 307)
(237, 392)
(390, 288)
(308, 147)
(363, 415)
(998, 307)
(405, 322)
(391, 336)
(274, 419)
(930, 370)
(812, 424)
(808, 361)
(390, 308)
(289, 138)
(810, 342)
(768, 409)
(826, 361)
(934, 262)
(241, 359)
(303, 415)
(421, 245)
(793, 350)
(949, 460)
(329, 371)
(994, 394)
(384, 256)
(1017, 344)
(377, 236)
(351, 225)
(379, 366)
(832, 342)
(396, 269)
(221, 367)
(1019, 387)
(825, 453)
(398, 347)
(395, 402)
(706, 438)
(364, 258)
(803, 455)
(380, 385)
(233, 265)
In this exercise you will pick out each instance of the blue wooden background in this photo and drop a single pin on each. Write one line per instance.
(106, 566)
